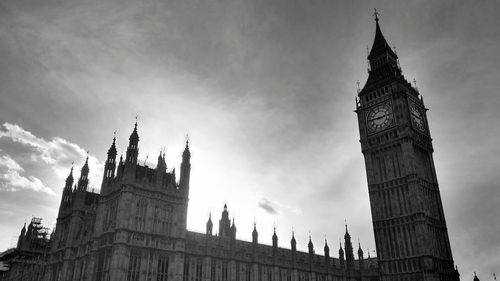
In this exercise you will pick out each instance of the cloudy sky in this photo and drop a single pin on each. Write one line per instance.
(265, 90)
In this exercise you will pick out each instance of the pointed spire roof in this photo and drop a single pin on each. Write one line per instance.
(186, 152)
(69, 179)
(380, 45)
(360, 251)
(85, 168)
(341, 251)
(326, 248)
(274, 233)
(134, 136)
(475, 277)
(112, 149)
(209, 222)
(346, 235)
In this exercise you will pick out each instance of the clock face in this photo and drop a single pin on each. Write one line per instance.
(379, 117)
(417, 118)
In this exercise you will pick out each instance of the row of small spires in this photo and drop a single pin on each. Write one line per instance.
(112, 152)
(293, 242)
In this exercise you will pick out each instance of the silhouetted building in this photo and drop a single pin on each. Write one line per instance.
(135, 229)
(410, 229)
(28, 260)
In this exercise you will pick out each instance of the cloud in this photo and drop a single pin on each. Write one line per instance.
(267, 206)
(58, 154)
(11, 180)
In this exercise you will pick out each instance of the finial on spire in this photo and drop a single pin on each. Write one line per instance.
(136, 117)
(114, 136)
(375, 14)
(357, 83)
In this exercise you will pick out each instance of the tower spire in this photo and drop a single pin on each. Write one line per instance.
(109, 167)
(84, 180)
(69, 179)
(133, 149)
(255, 234)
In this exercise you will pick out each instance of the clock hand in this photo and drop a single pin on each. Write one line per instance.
(377, 118)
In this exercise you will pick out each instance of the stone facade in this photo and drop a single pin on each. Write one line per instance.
(135, 230)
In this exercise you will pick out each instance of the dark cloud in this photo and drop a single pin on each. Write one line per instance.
(267, 206)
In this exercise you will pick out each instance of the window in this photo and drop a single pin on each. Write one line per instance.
(165, 220)
(199, 269)
(224, 272)
(162, 268)
(186, 269)
(212, 271)
(150, 266)
(140, 215)
(134, 266)
(156, 219)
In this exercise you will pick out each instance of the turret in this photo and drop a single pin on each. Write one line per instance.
(233, 231)
(69, 181)
(293, 243)
(84, 177)
(185, 167)
(349, 252)
(161, 166)
(255, 235)
(110, 165)
(132, 149)
(209, 224)
(121, 165)
(341, 256)
(67, 191)
(275, 246)
(327, 253)
(310, 246)
(224, 223)
(360, 257)
(275, 239)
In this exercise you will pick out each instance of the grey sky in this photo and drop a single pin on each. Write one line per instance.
(266, 91)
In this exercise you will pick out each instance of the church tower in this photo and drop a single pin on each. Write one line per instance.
(408, 220)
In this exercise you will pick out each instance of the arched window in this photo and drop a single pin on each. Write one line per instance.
(140, 214)
(134, 266)
(156, 219)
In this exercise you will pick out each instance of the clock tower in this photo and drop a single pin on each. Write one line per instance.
(408, 220)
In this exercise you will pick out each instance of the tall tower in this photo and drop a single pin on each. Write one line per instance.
(410, 229)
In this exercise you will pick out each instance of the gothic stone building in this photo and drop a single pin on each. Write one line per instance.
(135, 229)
